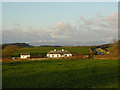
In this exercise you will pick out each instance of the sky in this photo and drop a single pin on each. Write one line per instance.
(59, 23)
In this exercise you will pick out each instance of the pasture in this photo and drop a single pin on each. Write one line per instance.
(61, 73)
(44, 50)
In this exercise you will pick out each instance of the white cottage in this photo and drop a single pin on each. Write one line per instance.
(25, 55)
(58, 53)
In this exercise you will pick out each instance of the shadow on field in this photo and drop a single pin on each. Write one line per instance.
(75, 78)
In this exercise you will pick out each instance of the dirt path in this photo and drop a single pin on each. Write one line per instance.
(10, 60)
(106, 58)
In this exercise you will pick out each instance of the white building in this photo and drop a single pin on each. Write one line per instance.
(25, 55)
(58, 53)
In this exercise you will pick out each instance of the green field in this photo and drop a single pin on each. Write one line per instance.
(66, 73)
(44, 50)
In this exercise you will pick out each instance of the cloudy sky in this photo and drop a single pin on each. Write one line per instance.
(60, 23)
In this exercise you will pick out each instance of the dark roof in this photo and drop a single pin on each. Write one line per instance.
(25, 54)
(59, 52)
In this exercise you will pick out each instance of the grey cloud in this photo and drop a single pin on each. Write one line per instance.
(98, 29)
(95, 29)
(62, 31)
(19, 35)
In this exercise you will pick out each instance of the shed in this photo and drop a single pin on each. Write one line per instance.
(24, 55)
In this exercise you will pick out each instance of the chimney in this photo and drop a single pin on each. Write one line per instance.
(62, 49)
(54, 49)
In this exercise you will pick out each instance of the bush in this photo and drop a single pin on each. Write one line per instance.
(9, 50)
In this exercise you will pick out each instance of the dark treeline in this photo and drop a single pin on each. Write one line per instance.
(25, 45)
(17, 44)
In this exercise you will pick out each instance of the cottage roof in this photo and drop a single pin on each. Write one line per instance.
(59, 52)
(25, 54)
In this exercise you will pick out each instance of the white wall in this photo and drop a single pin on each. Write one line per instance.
(24, 56)
(53, 55)
(67, 55)
(58, 55)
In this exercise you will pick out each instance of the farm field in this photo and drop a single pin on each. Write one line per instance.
(44, 50)
(61, 73)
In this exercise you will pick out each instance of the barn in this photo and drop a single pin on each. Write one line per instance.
(58, 53)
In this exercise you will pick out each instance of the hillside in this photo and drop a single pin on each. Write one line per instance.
(44, 50)
(41, 51)
(113, 49)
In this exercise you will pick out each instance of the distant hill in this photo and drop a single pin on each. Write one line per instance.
(17, 44)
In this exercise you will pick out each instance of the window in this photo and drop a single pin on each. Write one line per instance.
(65, 55)
(57, 55)
(52, 55)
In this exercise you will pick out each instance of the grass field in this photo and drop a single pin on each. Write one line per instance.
(66, 73)
(44, 50)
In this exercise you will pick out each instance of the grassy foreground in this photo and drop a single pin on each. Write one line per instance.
(89, 73)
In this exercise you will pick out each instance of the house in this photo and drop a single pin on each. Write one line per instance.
(25, 55)
(58, 53)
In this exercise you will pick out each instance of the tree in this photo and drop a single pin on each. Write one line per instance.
(9, 50)
(114, 48)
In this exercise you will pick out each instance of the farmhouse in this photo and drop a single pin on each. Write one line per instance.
(25, 55)
(58, 53)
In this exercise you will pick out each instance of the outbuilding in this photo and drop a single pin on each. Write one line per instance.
(25, 55)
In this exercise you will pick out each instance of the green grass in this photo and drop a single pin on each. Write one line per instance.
(44, 50)
(66, 73)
